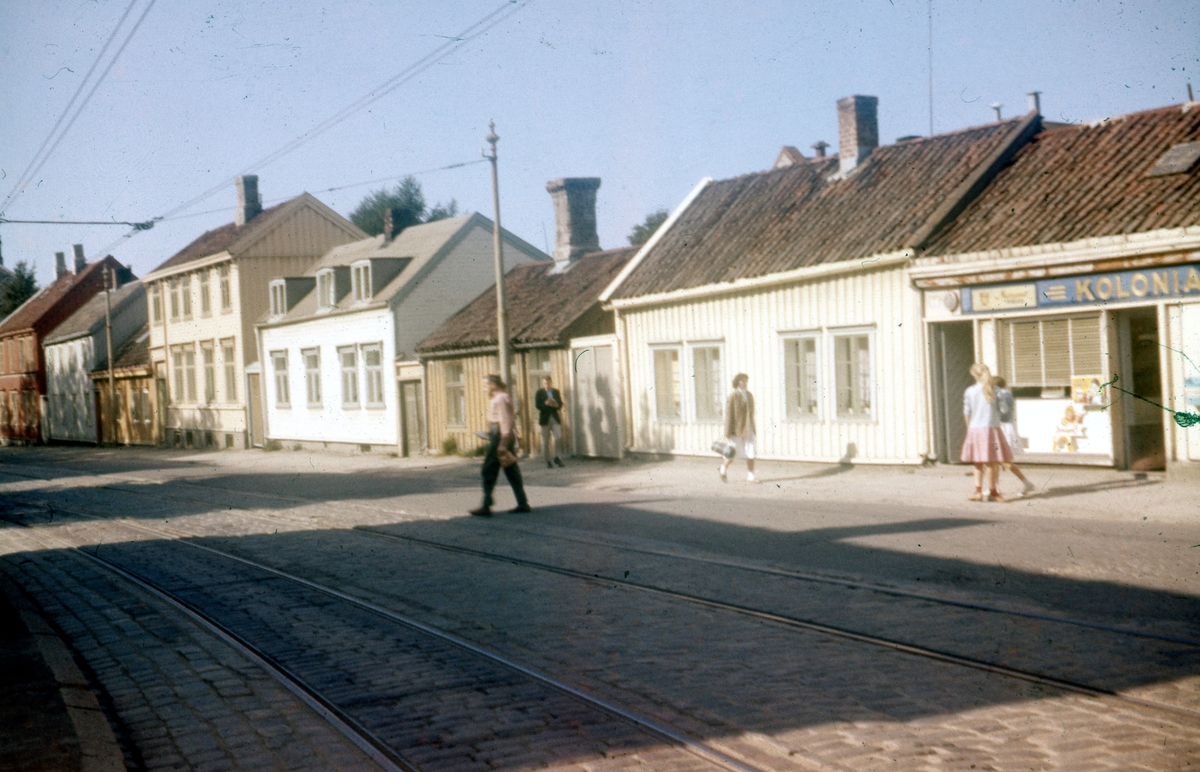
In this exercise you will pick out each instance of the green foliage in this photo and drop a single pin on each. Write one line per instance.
(273, 445)
(19, 288)
(407, 199)
(449, 446)
(642, 233)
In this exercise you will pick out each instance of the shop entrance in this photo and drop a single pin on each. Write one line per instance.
(952, 352)
(1141, 384)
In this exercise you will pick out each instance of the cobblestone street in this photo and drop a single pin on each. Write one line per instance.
(301, 611)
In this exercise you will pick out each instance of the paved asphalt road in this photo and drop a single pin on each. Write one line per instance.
(644, 616)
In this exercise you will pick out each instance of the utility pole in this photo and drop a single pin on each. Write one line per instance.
(110, 277)
(498, 254)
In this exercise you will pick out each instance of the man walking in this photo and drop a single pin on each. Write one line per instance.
(739, 426)
(501, 450)
(549, 402)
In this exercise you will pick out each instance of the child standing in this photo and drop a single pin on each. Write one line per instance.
(985, 445)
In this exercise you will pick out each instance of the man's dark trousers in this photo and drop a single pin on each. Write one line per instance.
(491, 470)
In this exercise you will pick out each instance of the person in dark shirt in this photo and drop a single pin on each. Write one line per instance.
(549, 402)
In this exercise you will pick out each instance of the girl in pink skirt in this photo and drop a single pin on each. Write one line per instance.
(985, 445)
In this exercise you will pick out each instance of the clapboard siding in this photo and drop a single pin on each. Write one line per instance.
(751, 328)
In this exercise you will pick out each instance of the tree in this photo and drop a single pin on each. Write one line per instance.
(18, 289)
(642, 233)
(407, 199)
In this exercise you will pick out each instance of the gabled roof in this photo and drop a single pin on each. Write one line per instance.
(44, 300)
(133, 353)
(420, 244)
(541, 299)
(89, 319)
(805, 215)
(231, 237)
(1084, 181)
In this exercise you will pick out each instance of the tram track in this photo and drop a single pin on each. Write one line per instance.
(720, 605)
(343, 720)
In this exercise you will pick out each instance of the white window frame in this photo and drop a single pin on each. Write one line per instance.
(311, 357)
(456, 394)
(279, 365)
(787, 339)
(206, 292)
(278, 298)
(189, 373)
(679, 352)
(325, 290)
(852, 332)
(349, 377)
(173, 290)
(156, 302)
(185, 291)
(360, 281)
(229, 362)
(226, 291)
(373, 376)
(208, 358)
(719, 391)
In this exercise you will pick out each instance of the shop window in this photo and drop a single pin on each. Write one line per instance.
(852, 375)
(373, 364)
(668, 390)
(456, 397)
(1045, 354)
(707, 386)
(279, 363)
(801, 377)
(312, 376)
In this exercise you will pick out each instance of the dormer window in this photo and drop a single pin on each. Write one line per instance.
(360, 277)
(278, 298)
(325, 290)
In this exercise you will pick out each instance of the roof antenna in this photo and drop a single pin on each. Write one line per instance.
(996, 106)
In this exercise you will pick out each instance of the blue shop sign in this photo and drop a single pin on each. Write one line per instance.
(1175, 281)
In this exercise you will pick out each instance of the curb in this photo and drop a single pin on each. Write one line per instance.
(98, 747)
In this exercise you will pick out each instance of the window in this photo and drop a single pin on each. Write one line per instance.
(279, 362)
(348, 357)
(456, 395)
(325, 297)
(278, 299)
(210, 372)
(156, 302)
(174, 288)
(1046, 353)
(360, 276)
(668, 397)
(135, 408)
(185, 289)
(706, 383)
(189, 373)
(145, 409)
(538, 367)
(801, 377)
(312, 376)
(852, 374)
(226, 294)
(229, 359)
(205, 293)
(177, 366)
(373, 361)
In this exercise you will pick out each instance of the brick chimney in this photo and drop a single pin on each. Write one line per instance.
(60, 265)
(574, 216)
(391, 217)
(249, 204)
(858, 130)
(80, 260)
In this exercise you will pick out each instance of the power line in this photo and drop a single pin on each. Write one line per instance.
(37, 163)
(137, 226)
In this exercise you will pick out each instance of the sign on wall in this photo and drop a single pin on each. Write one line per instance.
(1090, 290)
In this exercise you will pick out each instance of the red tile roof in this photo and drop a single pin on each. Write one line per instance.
(44, 301)
(783, 219)
(1084, 181)
(542, 302)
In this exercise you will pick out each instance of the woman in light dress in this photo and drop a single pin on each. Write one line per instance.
(985, 445)
(1007, 408)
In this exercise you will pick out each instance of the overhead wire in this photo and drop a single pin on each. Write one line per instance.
(36, 164)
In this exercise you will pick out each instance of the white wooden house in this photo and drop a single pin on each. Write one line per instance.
(77, 347)
(798, 277)
(334, 335)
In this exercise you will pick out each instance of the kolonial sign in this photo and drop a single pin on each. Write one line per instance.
(1093, 289)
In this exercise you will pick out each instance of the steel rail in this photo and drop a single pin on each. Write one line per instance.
(650, 726)
(365, 740)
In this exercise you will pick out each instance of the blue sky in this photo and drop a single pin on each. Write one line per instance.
(650, 96)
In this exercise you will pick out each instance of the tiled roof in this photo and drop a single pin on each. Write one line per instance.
(28, 314)
(784, 219)
(541, 302)
(90, 316)
(134, 352)
(1084, 181)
